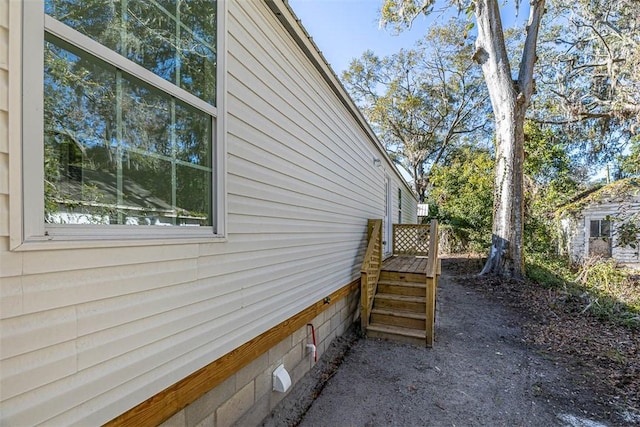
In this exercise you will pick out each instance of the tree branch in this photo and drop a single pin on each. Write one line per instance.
(525, 75)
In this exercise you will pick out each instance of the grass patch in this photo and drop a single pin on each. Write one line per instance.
(614, 292)
(598, 287)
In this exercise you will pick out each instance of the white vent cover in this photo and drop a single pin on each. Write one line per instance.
(281, 379)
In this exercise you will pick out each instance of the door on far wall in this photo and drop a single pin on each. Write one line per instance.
(600, 238)
(387, 223)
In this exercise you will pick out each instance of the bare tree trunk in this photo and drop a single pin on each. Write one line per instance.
(509, 100)
(506, 257)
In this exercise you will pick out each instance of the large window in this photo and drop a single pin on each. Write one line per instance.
(130, 112)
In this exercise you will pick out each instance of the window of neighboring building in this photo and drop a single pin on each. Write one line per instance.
(599, 238)
(129, 110)
(600, 228)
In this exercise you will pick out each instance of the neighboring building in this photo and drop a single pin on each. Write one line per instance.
(184, 196)
(603, 222)
(423, 213)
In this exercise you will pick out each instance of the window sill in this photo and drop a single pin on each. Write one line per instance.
(93, 242)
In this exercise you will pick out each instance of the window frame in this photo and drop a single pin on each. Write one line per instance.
(605, 238)
(600, 222)
(28, 228)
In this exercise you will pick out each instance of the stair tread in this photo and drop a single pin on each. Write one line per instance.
(398, 275)
(399, 313)
(401, 283)
(398, 330)
(397, 297)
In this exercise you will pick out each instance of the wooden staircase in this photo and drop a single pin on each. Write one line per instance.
(399, 308)
(397, 298)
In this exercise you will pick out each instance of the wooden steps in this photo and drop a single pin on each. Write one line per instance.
(405, 319)
(398, 300)
(399, 308)
(402, 287)
(397, 333)
(401, 276)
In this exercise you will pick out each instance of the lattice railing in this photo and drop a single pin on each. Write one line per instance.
(411, 239)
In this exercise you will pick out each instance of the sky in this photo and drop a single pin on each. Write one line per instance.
(344, 29)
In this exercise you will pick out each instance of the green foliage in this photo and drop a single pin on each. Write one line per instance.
(461, 196)
(548, 271)
(613, 294)
(462, 190)
(629, 164)
(401, 13)
(627, 232)
(589, 76)
(599, 287)
(552, 180)
(547, 159)
(422, 102)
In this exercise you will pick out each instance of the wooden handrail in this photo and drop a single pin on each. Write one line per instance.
(433, 271)
(370, 271)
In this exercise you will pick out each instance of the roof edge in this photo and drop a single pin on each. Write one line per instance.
(287, 17)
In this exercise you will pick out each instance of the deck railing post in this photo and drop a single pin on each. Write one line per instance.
(364, 302)
(394, 230)
(433, 268)
(380, 248)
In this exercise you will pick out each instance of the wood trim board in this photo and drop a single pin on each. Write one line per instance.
(174, 398)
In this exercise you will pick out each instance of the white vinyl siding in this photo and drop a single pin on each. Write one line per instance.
(409, 206)
(87, 333)
(4, 128)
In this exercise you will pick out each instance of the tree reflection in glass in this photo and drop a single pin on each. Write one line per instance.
(119, 151)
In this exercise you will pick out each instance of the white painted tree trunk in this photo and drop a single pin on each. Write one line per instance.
(509, 100)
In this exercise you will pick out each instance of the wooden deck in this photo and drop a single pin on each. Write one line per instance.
(406, 264)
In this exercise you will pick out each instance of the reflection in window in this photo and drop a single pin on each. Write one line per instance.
(175, 39)
(600, 228)
(399, 206)
(118, 150)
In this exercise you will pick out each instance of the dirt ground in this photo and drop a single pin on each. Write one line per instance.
(495, 363)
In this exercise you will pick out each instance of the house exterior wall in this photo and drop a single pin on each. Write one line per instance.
(247, 397)
(87, 333)
(409, 209)
(576, 229)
